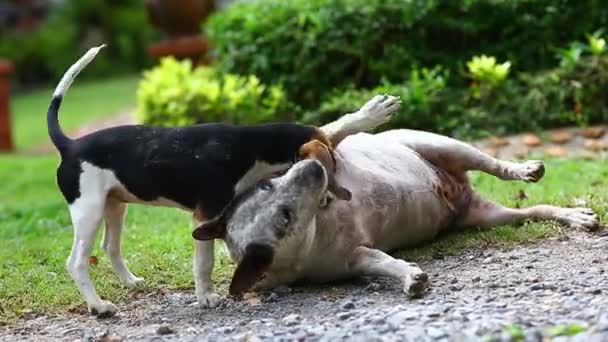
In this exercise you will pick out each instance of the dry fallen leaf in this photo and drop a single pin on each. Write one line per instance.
(93, 260)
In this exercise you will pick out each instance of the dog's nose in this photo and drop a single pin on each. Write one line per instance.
(316, 169)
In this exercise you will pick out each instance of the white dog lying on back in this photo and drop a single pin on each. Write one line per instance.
(407, 186)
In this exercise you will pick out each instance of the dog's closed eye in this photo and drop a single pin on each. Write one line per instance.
(264, 185)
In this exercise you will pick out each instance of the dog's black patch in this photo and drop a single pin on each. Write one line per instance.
(68, 179)
(196, 165)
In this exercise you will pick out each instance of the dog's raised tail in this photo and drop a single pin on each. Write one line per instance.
(59, 139)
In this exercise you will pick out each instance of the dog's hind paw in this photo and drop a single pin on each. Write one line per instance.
(579, 218)
(416, 284)
(530, 171)
(208, 299)
(104, 309)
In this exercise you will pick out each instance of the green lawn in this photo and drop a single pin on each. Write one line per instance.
(85, 101)
(36, 236)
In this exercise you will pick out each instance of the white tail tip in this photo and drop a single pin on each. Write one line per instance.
(75, 69)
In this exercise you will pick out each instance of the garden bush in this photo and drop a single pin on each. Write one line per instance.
(46, 53)
(575, 94)
(175, 94)
(314, 46)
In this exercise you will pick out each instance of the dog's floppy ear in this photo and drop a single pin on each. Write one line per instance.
(257, 259)
(210, 230)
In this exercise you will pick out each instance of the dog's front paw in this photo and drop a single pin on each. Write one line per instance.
(380, 109)
(415, 284)
(103, 309)
(132, 282)
(579, 218)
(208, 299)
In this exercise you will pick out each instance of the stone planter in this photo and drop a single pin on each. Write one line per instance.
(180, 21)
(6, 143)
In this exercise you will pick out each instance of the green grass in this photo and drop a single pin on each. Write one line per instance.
(36, 235)
(84, 102)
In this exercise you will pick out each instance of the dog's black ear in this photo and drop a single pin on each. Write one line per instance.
(255, 262)
(210, 230)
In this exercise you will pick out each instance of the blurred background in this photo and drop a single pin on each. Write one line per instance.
(469, 69)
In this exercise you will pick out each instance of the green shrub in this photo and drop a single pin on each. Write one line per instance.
(175, 94)
(315, 46)
(74, 27)
(567, 95)
(419, 97)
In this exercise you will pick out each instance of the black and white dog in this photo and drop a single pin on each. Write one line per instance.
(198, 168)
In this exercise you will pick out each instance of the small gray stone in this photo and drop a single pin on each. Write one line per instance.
(536, 287)
(348, 305)
(344, 315)
(164, 330)
(225, 329)
(489, 260)
(435, 333)
(455, 288)
(395, 320)
(291, 320)
(374, 287)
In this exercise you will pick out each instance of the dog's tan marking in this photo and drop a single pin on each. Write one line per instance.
(317, 150)
(199, 215)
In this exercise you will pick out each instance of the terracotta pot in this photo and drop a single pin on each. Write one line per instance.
(179, 17)
(6, 143)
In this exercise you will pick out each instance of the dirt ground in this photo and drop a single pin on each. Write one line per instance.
(531, 291)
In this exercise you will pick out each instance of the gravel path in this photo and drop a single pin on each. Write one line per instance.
(473, 296)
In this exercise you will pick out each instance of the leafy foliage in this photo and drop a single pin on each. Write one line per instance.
(562, 96)
(176, 94)
(77, 25)
(315, 46)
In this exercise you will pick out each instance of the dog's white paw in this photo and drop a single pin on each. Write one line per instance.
(208, 299)
(415, 284)
(530, 171)
(379, 109)
(579, 218)
(132, 281)
(103, 309)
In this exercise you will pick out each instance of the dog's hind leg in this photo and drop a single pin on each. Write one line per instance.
(373, 262)
(484, 213)
(458, 157)
(114, 216)
(86, 213)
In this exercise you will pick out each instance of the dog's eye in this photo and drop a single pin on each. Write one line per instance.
(264, 185)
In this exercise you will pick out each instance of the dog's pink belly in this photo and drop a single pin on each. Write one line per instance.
(418, 219)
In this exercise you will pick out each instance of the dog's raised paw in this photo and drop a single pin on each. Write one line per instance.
(416, 284)
(531, 171)
(104, 309)
(208, 300)
(380, 108)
